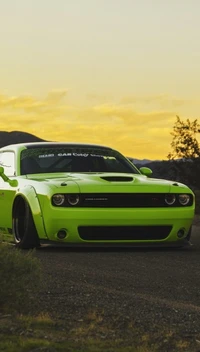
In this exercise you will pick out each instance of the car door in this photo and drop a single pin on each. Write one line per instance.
(7, 192)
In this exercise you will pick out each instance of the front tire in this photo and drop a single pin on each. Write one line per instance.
(24, 230)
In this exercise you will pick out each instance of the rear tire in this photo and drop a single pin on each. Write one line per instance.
(24, 230)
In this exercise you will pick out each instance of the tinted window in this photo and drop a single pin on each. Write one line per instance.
(50, 160)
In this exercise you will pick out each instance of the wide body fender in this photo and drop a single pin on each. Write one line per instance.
(29, 194)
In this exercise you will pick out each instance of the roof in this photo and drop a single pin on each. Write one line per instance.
(49, 144)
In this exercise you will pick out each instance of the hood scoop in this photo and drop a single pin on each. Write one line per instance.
(117, 178)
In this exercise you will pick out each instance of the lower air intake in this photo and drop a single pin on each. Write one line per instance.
(123, 233)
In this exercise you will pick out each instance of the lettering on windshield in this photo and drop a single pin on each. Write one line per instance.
(85, 155)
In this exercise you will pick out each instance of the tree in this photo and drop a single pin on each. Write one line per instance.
(184, 143)
(185, 158)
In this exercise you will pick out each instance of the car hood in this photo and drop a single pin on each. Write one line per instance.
(108, 182)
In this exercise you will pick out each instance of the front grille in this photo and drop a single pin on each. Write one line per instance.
(123, 233)
(123, 200)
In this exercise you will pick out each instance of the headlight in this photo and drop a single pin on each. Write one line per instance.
(170, 199)
(73, 199)
(184, 199)
(58, 199)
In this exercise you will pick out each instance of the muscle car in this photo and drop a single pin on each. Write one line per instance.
(86, 194)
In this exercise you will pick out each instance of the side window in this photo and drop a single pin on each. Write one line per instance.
(7, 160)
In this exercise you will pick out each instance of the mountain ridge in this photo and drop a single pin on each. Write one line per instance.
(16, 137)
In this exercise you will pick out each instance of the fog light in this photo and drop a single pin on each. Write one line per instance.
(181, 233)
(62, 234)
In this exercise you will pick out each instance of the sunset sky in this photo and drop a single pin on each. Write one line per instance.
(112, 72)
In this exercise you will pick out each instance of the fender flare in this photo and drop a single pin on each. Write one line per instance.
(29, 194)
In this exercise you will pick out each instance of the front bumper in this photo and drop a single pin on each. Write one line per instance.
(167, 223)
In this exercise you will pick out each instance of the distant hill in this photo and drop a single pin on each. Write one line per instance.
(139, 161)
(16, 137)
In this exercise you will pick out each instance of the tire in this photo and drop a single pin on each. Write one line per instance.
(24, 230)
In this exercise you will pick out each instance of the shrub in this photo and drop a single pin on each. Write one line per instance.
(20, 276)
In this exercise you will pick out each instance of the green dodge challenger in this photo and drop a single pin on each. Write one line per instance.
(69, 193)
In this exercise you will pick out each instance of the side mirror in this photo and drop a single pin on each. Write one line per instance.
(146, 171)
(12, 183)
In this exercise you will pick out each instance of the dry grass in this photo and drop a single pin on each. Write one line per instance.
(41, 333)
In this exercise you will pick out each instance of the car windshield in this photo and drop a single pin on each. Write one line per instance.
(77, 159)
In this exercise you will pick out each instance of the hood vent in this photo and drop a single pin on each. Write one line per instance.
(117, 178)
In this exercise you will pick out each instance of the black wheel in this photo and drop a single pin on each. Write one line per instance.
(24, 230)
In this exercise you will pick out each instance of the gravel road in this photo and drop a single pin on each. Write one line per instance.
(156, 291)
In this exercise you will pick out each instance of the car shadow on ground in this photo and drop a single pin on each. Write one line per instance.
(107, 249)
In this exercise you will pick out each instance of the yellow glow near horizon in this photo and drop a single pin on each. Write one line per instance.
(105, 71)
(135, 134)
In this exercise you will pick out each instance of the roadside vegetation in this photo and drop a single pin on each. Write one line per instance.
(20, 275)
(183, 164)
(185, 155)
(42, 334)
